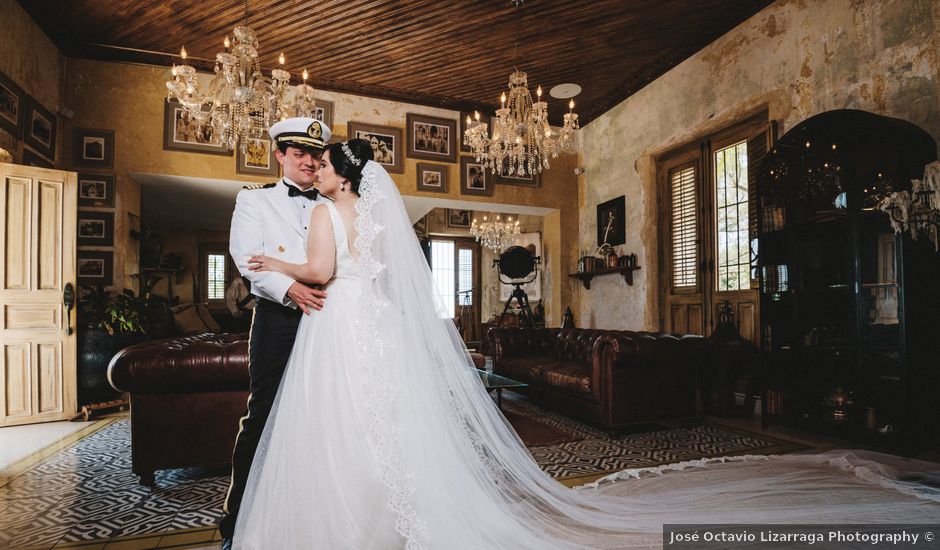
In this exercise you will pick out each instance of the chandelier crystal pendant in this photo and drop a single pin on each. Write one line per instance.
(495, 234)
(522, 139)
(240, 103)
(917, 211)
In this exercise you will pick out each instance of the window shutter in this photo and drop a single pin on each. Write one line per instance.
(684, 227)
(756, 150)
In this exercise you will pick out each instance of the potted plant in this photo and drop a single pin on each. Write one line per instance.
(109, 323)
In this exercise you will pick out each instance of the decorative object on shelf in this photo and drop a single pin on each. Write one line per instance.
(612, 260)
(95, 228)
(12, 107)
(257, 159)
(431, 138)
(94, 148)
(522, 140)
(183, 132)
(917, 211)
(495, 234)
(386, 142)
(586, 276)
(40, 128)
(474, 179)
(431, 177)
(240, 103)
(95, 189)
(611, 222)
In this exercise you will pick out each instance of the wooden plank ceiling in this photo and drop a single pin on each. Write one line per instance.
(452, 54)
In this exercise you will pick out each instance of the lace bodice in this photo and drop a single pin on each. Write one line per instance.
(346, 267)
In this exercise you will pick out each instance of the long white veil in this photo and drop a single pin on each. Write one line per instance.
(458, 476)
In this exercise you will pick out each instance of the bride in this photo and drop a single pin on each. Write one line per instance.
(382, 435)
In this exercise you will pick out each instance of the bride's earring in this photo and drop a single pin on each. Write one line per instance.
(342, 187)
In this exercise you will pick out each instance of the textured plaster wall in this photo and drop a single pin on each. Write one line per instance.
(795, 59)
(31, 60)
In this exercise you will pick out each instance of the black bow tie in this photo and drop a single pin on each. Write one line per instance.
(310, 194)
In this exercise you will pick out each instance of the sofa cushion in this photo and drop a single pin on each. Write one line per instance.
(524, 369)
(566, 375)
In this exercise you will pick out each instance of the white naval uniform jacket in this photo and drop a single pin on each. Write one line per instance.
(266, 222)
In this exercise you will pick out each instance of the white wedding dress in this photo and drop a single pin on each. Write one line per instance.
(382, 437)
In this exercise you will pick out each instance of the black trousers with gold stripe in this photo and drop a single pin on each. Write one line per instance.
(273, 331)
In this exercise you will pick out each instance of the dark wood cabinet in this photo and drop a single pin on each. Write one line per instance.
(850, 310)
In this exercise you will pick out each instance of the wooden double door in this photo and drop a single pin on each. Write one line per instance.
(38, 209)
(708, 230)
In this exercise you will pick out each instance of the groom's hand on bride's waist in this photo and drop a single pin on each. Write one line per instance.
(305, 297)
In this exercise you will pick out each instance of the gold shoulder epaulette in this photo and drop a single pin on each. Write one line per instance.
(259, 186)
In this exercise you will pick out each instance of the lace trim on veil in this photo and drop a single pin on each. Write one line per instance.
(382, 431)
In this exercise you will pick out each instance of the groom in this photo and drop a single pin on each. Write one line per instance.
(272, 220)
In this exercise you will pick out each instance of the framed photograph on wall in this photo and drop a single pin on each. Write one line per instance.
(612, 222)
(95, 228)
(94, 148)
(532, 242)
(324, 112)
(258, 160)
(12, 107)
(431, 138)
(184, 133)
(387, 147)
(432, 177)
(458, 219)
(95, 267)
(40, 129)
(474, 179)
(31, 158)
(95, 189)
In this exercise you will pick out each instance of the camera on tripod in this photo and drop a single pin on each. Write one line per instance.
(520, 266)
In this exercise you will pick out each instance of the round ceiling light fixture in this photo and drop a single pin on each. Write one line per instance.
(565, 91)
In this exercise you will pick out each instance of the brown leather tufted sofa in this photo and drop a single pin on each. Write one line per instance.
(187, 395)
(608, 378)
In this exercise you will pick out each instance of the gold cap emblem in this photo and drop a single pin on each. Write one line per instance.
(315, 130)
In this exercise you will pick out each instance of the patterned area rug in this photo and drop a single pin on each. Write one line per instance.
(585, 453)
(88, 493)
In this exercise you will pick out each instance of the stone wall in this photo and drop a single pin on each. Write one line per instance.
(795, 58)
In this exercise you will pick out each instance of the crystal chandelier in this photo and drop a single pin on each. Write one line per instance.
(522, 140)
(495, 234)
(917, 211)
(240, 103)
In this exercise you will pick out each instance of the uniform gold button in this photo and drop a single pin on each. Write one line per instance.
(281, 249)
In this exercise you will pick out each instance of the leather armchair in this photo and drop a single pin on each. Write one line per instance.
(608, 378)
(187, 395)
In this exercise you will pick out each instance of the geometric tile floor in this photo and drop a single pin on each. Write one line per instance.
(85, 496)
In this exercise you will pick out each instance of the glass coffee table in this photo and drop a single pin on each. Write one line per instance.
(494, 382)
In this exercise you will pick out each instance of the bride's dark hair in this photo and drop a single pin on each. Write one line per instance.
(343, 166)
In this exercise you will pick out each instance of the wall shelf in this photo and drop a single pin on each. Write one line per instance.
(586, 276)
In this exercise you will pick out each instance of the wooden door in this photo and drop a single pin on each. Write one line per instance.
(38, 209)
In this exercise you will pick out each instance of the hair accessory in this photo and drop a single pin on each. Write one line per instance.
(349, 154)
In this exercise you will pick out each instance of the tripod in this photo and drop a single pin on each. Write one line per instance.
(526, 319)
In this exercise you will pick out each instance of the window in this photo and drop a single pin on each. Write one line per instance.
(453, 265)
(215, 286)
(442, 267)
(215, 272)
(684, 228)
(731, 227)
